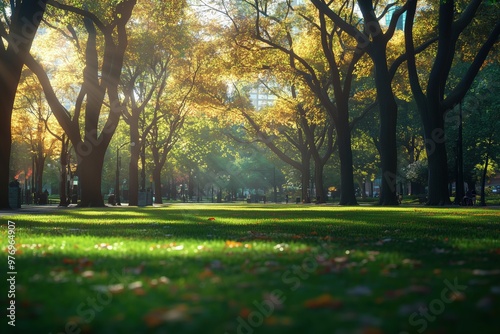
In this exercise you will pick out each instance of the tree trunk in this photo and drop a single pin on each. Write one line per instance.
(157, 181)
(483, 180)
(435, 147)
(347, 190)
(25, 21)
(39, 167)
(306, 175)
(388, 120)
(143, 167)
(5, 144)
(133, 170)
(89, 177)
(318, 183)
(63, 196)
(459, 182)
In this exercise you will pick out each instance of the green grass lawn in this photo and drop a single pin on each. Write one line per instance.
(190, 268)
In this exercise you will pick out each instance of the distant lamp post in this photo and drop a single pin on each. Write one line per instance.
(74, 196)
(118, 165)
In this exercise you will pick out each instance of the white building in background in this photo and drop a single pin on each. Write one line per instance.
(400, 25)
(261, 97)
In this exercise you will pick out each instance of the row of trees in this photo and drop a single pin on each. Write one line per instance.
(156, 65)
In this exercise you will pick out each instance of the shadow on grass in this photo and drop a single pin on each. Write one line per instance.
(407, 232)
(218, 282)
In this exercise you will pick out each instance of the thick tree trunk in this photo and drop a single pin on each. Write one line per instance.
(388, 120)
(435, 147)
(89, 176)
(5, 145)
(24, 24)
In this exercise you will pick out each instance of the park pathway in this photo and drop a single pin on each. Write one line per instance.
(34, 209)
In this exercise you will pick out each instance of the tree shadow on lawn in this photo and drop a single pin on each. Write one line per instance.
(407, 233)
(200, 224)
(221, 279)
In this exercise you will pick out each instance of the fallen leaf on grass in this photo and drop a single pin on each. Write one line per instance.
(281, 247)
(135, 285)
(480, 272)
(103, 246)
(420, 289)
(88, 274)
(116, 288)
(412, 263)
(164, 280)
(31, 246)
(275, 300)
(457, 296)
(207, 273)
(139, 292)
(134, 270)
(440, 251)
(79, 264)
(211, 218)
(236, 244)
(323, 301)
(169, 247)
(244, 313)
(158, 316)
(233, 244)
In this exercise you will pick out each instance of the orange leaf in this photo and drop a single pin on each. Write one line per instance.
(233, 244)
(139, 292)
(155, 317)
(323, 301)
(207, 273)
(244, 313)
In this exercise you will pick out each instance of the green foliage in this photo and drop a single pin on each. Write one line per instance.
(481, 121)
(417, 172)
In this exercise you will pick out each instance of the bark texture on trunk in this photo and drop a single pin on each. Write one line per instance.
(25, 19)
(89, 178)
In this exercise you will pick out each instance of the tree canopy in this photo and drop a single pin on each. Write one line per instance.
(233, 99)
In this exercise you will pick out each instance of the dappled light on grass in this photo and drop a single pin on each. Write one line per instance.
(286, 269)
